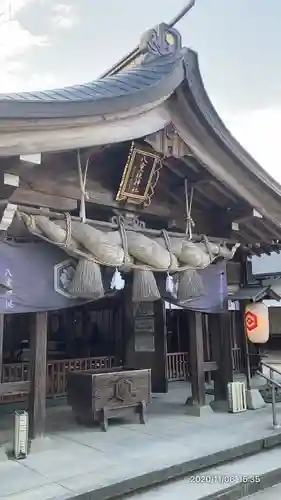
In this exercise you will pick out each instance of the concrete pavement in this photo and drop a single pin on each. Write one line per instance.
(74, 460)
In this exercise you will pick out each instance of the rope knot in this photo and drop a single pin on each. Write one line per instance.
(167, 240)
(188, 206)
(190, 220)
(68, 224)
(124, 240)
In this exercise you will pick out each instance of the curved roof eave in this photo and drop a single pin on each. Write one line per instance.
(19, 137)
(201, 128)
(147, 83)
(204, 104)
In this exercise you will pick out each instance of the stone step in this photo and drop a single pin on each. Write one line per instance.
(205, 477)
(272, 493)
(230, 481)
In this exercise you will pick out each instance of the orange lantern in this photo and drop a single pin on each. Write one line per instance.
(257, 323)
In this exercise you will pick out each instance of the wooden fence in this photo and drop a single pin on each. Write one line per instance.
(56, 374)
(237, 360)
(177, 366)
(177, 369)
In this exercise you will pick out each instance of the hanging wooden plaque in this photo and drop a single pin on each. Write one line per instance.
(139, 177)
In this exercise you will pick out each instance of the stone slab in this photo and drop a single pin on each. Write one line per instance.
(227, 482)
(48, 492)
(15, 479)
(272, 493)
(106, 486)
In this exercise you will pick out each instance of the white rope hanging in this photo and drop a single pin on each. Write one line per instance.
(82, 182)
(188, 205)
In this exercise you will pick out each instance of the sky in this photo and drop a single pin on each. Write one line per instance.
(49, 43)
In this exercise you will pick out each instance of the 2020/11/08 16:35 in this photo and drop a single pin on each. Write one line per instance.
(224, 479)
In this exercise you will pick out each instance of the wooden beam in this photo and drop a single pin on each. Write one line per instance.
(223, 190)
(203, 221)
(210, 366)
(219, 329)
(145, 349)
(243, 214)
(44, 193)
(9, 185)
(37, 403)
(196, 360)
(7, 209)
(193, 163)
(168, 143)
(257, 233)
(181, 173)
(14, 387)
(31, 160)
(198, 199)
(159, 368)
(270, 229)
(206, 180)
(36, 198)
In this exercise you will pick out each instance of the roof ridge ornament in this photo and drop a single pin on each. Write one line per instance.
(151, 43)
(164, 39)
(160, 41)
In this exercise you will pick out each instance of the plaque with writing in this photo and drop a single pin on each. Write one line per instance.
(144, 328)
(138, 176)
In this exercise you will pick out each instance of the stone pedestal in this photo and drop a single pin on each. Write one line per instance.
(220, 406)
(196, 410)
(254, 399)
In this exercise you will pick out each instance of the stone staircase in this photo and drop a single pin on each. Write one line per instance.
(252, 477)
(273, 493)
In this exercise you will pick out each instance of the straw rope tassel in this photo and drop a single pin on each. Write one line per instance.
(87, 279)
(190, 284)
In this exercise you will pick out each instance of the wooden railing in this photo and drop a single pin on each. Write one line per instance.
(56, 374)
(177, 369)
(237, 360)
(177, 365)
(16, 372)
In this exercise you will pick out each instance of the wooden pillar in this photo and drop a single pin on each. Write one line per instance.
(196, 363)
(38, 351)
(145, 342)
(247, 349)
(159, 371)
(219, 327)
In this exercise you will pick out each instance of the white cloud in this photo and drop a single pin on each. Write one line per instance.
(259, 132)
(10, 8)
(15, 81)
(15, 41)
(65, 16)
